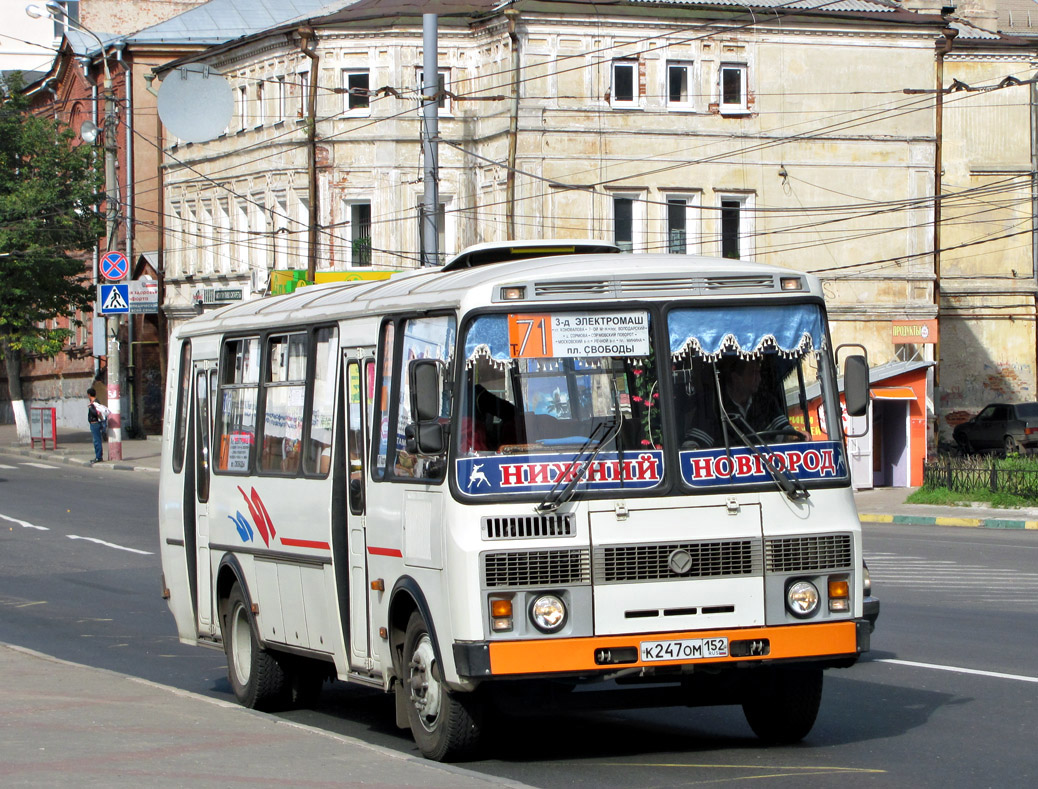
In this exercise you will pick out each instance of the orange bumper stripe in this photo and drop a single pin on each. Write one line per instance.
(578, 654)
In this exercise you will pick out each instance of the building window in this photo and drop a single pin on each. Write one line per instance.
(625, 221)
(243, 108)
(281, 95)
(732, 87)
(360, 234)
(356, 84)
(736, 227)
(679, 85)
(624, 90)
(680, 224)
(261, 115)
(304, 92)
(65, 19)
(443, 99)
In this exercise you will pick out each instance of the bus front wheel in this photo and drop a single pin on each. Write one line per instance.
(781, 704)
(258, 680)
(446, 725)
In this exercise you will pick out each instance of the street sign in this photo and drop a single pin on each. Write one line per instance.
(143, 296)
(114, 299)
(114, 265)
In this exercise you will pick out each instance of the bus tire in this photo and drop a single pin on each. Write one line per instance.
(446, 725)
(258, 680)
(782, 704)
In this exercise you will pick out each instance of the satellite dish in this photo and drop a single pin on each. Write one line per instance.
(195, 103)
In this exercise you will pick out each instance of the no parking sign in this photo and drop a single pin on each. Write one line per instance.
(114, 265)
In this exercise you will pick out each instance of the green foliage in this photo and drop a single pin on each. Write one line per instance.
(49, 188)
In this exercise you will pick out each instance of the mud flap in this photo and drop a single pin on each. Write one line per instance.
(400, 694)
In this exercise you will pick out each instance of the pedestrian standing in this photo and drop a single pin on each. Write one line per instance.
(97, 418)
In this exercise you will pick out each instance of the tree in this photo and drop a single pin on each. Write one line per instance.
(49, 192)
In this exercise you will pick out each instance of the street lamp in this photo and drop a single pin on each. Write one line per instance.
(53, 9)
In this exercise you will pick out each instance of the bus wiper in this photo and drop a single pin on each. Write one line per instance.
(553, 501)
(791, 486)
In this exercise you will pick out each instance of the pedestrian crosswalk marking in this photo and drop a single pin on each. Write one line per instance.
(38, 465)
(115, 302)
(3, 465)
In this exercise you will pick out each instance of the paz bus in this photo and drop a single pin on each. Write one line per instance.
(518, 480)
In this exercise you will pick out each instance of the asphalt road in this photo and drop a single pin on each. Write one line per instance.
(948, 696)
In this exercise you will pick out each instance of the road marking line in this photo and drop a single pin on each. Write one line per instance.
(38, 465)
(25, 524)
(108, 544)
(4, 465)
(957, 670)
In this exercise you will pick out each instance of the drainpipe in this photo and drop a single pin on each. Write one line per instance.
(513, 122)
(430, 141)
(307, 34)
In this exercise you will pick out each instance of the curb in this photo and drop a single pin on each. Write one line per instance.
(117, 465)
(977, 523)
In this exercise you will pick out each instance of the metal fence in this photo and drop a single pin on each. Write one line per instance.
(968, 474)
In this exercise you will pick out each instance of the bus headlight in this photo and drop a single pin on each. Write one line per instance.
(548, 613)
(802, 599)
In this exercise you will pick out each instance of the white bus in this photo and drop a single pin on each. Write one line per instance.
(510, 482)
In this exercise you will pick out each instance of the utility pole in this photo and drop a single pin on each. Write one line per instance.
(111, 146)
(430, 135)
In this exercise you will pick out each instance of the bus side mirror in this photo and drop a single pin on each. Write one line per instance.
(426, 435)
(856, 385)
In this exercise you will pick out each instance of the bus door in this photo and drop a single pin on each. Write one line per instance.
(204, 392)
(358, 380)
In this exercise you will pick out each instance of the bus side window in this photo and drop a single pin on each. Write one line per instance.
(183, 408)
(284, 388)
(355, 413)
(318, 456)
(239, 390)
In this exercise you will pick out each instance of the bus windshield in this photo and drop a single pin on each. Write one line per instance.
(575, 400)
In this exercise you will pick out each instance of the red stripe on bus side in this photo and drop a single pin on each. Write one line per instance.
(385, 551)
(305, 543)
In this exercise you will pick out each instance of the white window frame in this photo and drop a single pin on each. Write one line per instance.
(243, 107)
(637, 218)
(351, 231)
(175, 245)
(357, 111)
(206, 233)
(282, 96)
(689, 103)
(624, 63)
(692, 222)
(304, 92)
(222, 233)
(746, 223)
(741, 107)
(260, 114)
(446, 103)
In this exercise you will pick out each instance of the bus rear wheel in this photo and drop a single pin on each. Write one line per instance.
(446, 725)
(782, 704)
(258, 680)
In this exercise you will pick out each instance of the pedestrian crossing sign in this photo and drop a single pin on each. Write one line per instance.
(114, 299)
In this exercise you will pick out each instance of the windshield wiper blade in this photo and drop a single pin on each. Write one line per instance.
(791, 486)
(551, 501)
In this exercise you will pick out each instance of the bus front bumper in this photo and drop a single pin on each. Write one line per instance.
(840, 642)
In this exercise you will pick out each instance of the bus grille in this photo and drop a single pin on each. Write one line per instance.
(524, 526)
(805, 554)
(536, 568)
(677, 561)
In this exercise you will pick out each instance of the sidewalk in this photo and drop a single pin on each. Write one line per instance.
(887, 505)
(70, 725)
(77, 447)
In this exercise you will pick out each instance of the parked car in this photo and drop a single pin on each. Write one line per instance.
(1001, 427)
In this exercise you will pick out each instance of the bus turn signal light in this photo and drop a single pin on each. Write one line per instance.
(500, 615)
(839, 594)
